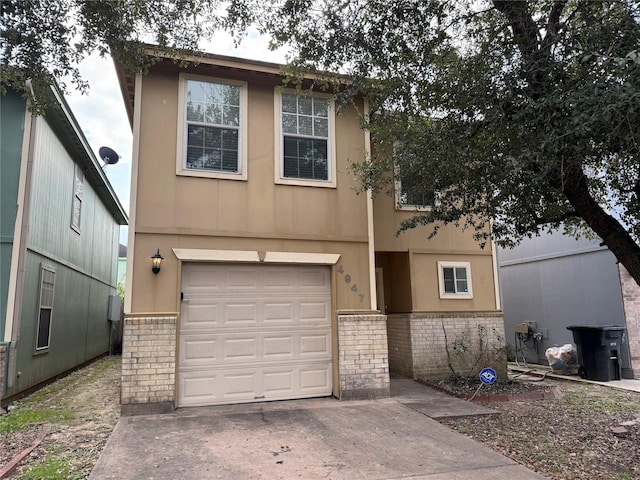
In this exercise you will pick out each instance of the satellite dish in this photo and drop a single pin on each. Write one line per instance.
(108, 156)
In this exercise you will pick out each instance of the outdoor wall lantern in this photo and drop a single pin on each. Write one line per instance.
(156, 260)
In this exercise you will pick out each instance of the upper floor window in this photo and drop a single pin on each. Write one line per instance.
(455, 279)
(76, 206)
(412, 195)
(306, 140)
(212, 128)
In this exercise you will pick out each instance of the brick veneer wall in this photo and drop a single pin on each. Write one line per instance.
(363, 356)
(469, 341)
(149, 359)
(399, 341)
(631, 305)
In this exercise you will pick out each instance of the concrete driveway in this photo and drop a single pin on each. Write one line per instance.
(306, 439)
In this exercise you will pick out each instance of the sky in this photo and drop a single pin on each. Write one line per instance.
(103, 118)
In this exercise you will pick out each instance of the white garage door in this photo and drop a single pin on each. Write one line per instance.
(253, 333)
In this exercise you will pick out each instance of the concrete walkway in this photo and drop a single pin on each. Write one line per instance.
(307, 439)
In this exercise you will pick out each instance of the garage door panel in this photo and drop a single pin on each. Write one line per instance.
(240, 279)
(278, 312)
(281, 346)
(236, 313)
(199, 350)
(262, 333)
(241, 384)
(316, 312)
(318, 344)
(314, 379)
(199, 387)
(206, 278)
(197, 315)
(313, 278)
(278, 383)
(239, 349)
(279, 279)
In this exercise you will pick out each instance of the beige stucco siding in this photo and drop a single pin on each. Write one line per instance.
(255, 206)
(175, 211)
(426, 293)
(160, 293)
(417, 290)
(387, 220)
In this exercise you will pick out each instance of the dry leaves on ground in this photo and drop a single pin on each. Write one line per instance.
(82, 408)
(591, 432)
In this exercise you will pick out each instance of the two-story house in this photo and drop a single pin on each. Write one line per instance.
(59, 228)
(267, 284)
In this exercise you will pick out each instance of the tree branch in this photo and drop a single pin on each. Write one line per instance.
(525, 30)
(557, 219)
(553, 25)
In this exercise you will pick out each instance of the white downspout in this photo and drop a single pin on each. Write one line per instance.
(496, 275)
(370, 228)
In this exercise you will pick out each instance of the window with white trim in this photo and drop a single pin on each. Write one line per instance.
(306, 135)
(76, 206)
(411, 194)
(47, 286)
(455, 279)
(212, 128)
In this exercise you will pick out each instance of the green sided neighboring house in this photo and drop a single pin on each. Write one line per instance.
(59, 228)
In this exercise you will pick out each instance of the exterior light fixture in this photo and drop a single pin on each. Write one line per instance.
(156, 260)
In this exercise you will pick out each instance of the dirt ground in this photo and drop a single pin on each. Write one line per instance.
(82, 408)
(590, 432)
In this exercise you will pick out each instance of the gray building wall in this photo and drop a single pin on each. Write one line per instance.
(12, 115)
(84, 262)
(556, 281)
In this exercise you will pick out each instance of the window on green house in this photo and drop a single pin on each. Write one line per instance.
(47, 284)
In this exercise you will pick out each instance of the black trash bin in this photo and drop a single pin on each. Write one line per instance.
(599, 349)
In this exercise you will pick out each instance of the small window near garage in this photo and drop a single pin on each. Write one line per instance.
(455, 279)
(76, 208)
(212, 128)
(306, 140)
(47, 284)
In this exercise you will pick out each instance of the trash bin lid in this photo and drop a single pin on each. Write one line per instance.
(595, 328)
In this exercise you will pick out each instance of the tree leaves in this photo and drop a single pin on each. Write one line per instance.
(525, 113)
(44, 40)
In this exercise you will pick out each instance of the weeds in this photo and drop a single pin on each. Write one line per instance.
(23, 417)
(82, 408)
(608, 405)
(51, 468)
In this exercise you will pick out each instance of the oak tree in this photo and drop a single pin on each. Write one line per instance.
(521, 116)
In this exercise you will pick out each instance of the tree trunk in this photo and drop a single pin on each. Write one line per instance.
(571, 180)
(612, 233)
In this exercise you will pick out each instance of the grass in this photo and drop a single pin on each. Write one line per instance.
(64, 403)
(31, 411)
(596, 402)
(51, 468)
(23, 417)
